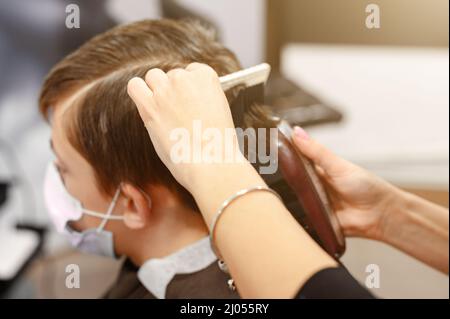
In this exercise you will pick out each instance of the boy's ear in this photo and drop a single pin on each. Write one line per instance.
(137, 207)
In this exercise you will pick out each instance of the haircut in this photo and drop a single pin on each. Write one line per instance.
(105, 126)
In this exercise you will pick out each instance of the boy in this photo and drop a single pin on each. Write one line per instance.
(110, 199)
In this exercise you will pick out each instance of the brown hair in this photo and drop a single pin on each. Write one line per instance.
(105, 127)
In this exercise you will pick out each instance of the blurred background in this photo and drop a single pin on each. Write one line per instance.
(378, 97)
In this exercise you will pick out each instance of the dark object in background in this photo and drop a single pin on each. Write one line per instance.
(296, 105)
(33, 37)
(5, 285)
(174, 10)
(4, 186)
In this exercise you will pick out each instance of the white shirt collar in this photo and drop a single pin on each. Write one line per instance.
(156, 273)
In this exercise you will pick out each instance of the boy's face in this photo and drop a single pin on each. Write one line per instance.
(144, 211)
(78, 176)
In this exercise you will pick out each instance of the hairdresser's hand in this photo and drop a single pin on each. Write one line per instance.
(370, 207)
(169, 103)
(360, 199)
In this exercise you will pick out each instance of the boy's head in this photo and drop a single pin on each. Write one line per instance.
(97, 134)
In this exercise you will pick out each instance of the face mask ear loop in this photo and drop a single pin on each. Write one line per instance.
(110, 210)
(146, 196)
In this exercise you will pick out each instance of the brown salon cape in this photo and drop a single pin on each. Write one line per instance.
(209, 283)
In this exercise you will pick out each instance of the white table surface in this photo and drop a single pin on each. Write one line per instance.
(395, 103)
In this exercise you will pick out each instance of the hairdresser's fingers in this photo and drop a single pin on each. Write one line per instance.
(195, 66)
(331, 164)
(175, 74)
(201, 67)
(156, 80)
(142, 96)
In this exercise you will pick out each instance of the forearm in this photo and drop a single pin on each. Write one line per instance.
(418, 228)
(267, 251)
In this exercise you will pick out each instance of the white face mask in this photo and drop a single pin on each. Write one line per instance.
(64, 208)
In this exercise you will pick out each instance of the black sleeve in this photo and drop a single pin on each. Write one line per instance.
(333, 283)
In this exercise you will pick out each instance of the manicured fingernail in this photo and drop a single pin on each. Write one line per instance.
(300, 133)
